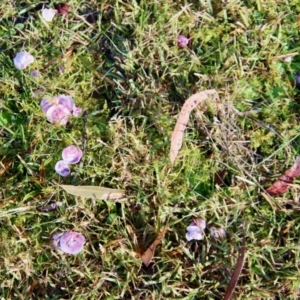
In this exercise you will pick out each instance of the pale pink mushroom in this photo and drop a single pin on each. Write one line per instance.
(77, 111)
(72, 154)
(194, 233)
(62, 168)
(58, 114)
(69, 103)
(48, 14)
(46, 104)
(201, 223)
(23, 59)
(65, 101)
(70, 242)
(195, 230)
(59, 108)
(182, 41)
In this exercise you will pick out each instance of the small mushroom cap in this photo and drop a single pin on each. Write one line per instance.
(65, 101)
(58, 114)
(48, 14)
(62, 168)
(71, 242)
(23, 59)
(194, 233)
(182, 41)
(72, 154)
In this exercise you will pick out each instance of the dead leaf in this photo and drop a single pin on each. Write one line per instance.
(189, 105)
(97, 192)
(62, 9)
(282, 184)
(294, 171)
(149, 253)
(237, 270)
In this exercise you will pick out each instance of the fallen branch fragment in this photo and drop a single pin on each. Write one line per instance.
(281, 185)
(189, 105)
(237, 270)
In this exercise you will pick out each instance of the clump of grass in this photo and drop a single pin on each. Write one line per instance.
(121, 63)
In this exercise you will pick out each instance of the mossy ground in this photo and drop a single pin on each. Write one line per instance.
(119, 60)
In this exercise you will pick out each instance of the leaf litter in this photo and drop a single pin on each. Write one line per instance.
(97, 192)
(149, 253)
(190, 104)
(282, 184)
(63, 9)
(237, 270)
